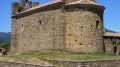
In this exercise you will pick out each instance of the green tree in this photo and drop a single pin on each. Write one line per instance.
(5, 45)
(23, 3)
(35, 4)
(29, 4)
(1, 40)
(15, 6)
(118, 43)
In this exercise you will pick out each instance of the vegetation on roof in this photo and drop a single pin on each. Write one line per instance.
(18, 7)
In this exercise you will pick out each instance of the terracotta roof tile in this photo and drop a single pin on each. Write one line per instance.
(84, 2)
(112, 34)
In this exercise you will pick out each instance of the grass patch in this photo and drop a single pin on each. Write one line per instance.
(41, 57)
(24, 58)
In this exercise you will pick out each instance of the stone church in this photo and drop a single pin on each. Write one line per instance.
(68, 25)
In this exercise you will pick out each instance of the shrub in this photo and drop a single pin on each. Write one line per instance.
(5, 45)
(116, 43)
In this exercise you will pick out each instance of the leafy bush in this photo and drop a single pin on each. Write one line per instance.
(116, 43)
(5, 45)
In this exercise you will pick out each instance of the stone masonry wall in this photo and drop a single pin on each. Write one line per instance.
(15, 64)
(69, 1)
(96, 63)
(75, 28)
(84, 29)
(38, 30)
(108, 41)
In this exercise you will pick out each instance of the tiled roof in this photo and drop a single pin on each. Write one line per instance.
(112, 34)
(84, 2)
(39, 6)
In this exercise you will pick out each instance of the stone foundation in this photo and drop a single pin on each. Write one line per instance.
(15, 64)
(96, 63)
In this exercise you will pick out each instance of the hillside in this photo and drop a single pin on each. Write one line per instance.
(5, 37)
(107, 30)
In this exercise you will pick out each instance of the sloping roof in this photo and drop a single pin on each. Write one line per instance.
(84, 2)
(39, 6)
(107, 30)
(112, 34)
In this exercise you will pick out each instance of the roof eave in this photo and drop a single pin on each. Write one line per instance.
(37, 7)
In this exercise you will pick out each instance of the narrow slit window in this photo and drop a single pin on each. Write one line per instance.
(81, 34)
(81, 26)
(98, 24)
(22, 25)
(91, 25)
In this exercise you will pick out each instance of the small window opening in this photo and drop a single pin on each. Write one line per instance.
(91, 25)
(76, 40)
(22, 25)
(97, 24)
(81, 34)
